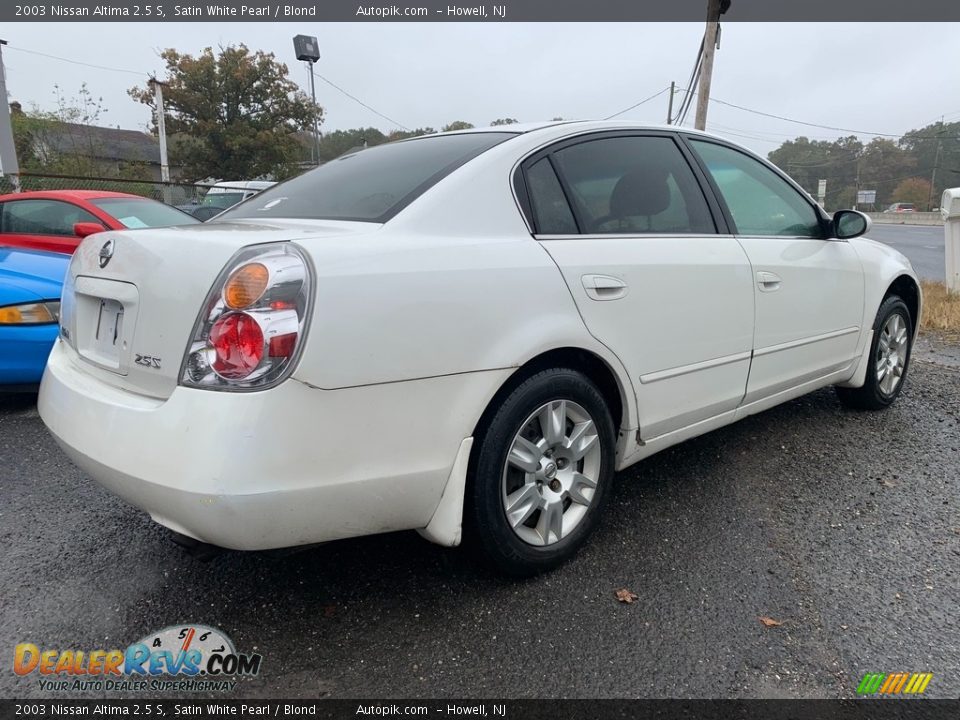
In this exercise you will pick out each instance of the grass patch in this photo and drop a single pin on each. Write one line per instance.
(941, 310)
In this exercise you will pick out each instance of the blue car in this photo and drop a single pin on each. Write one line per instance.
(30, 287)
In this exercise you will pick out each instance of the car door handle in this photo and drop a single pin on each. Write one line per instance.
(768, 281)
(604, 287)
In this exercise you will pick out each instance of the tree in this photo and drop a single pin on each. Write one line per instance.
(503, 121)
(914, 190)
(238, 113)
(936, 145)
(457, 125)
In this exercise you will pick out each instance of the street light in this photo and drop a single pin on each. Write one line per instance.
(308, 50)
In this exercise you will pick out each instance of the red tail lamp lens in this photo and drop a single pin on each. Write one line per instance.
(282, 346)
(238, 342)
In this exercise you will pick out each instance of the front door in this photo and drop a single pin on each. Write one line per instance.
(808, 286)
(626, 220)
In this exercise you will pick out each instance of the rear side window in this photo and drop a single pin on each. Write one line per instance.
(370, 185)
(633, 185)
(551, 212)
(42, 217)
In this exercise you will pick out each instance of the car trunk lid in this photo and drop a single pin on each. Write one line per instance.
(131, 297)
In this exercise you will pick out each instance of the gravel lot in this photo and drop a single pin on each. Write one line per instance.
(843, 526)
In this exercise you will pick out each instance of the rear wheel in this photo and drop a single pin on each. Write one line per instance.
(542, 470)
(889, 359)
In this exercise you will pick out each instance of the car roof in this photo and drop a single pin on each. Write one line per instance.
(529, 127)
(67, 195)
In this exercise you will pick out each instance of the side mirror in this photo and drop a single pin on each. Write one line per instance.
(850, 224)
(82, 229)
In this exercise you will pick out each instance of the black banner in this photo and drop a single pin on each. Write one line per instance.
(475, 11)
(891, 709)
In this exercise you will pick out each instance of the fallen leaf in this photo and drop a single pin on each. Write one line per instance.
(769, 621)
(626, 596)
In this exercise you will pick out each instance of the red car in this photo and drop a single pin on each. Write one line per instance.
(57, 220)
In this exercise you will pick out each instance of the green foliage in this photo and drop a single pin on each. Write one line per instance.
(503, 121)
(914, 190)
(457, 125)
(337, 142)
(238, 115)
(881, 165)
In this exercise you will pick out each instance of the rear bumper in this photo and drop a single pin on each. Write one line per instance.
(288, 466)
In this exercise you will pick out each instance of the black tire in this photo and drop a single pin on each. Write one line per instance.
(487, 527)
(872, 396)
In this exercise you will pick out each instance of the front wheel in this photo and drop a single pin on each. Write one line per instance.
(542, 471)
(889, 359)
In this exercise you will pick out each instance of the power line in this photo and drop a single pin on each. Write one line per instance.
(636, 105)
(830, 127)
(688, 92)
(77, 62)
(361, 102)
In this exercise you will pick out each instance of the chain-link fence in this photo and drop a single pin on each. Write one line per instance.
(178, 194)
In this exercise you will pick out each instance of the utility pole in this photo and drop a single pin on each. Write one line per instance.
(715, 8)
(162, 136)
(8, 150)
(673, 89)
(936, 161)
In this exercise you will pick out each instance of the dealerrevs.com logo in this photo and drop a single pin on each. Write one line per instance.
(183, 658)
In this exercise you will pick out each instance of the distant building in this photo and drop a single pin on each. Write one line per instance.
(112, 151)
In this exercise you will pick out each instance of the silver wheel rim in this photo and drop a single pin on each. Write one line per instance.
(892, 351)
(551, 472)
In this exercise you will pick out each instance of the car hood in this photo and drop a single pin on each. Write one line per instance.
(27, 275)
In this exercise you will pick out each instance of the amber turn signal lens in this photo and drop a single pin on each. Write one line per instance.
(246, 285)
(27, 314)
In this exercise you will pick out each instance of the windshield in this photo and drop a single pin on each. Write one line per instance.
(370, 185)
(222, 199)
(142, 212)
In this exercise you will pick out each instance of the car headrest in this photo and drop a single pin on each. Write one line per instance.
(642, 192)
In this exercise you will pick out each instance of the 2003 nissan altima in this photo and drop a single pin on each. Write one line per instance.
(465, 334)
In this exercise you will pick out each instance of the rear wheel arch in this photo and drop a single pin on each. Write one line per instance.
(587, 362)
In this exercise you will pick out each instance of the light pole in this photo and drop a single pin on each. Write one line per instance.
(308, 50)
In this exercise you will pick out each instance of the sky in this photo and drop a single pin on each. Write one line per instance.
(865, 77)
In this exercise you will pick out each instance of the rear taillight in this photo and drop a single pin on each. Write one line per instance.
(251, 328)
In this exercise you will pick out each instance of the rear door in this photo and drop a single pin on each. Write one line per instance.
(808, 286)
(42, 224)
(625, 218)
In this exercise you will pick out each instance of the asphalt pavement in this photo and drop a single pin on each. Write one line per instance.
(922, 244)
(842, 526)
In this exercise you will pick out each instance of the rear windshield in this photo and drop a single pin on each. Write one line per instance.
(370, 185)
(143, 213)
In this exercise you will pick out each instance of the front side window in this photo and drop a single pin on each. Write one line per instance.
(370, 185)
(759, 200)
(633, 184)
(42, 217)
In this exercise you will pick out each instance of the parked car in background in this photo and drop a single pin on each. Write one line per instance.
(57, 220)
(464, 334)
(901, 208)
(30, 286)
(226, 194)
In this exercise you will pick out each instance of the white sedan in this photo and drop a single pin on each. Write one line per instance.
(465, 334)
